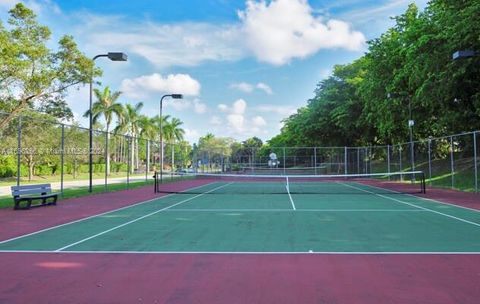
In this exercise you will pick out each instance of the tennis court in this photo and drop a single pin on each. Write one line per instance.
(256, 215)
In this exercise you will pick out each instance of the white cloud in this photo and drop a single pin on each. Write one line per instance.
(191, 135)
(185, 104)
(236, 122)
(248, 88)
(239, 121)
(259, 121)
(216, 121)
(223, 107)
(178, 44)
(239, 107)
(273, 31)
(199, 107)
(39, 7)
(242, 86)
(264, 87)
(280, 30)
(174, 83)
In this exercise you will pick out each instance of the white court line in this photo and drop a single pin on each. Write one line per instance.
(291, 210)
(287, 186)
(96, 215)
(140, 218)
(413, 205)
(254, 252)
(425, 198)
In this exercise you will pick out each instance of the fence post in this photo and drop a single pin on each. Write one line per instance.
(19, 148)
(315, 159)
(475, 159)
(345, 160)
(388, 160)
(107, 160)
(62, 156)
(129, 139)
(452, 169)
(147, 159)
(430, 160)
(284, 159)
(400, 161)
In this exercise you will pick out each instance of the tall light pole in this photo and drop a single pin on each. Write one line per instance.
(411, 123)
(114, 57)
(174, 96)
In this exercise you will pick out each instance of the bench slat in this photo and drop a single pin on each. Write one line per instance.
(31, 189)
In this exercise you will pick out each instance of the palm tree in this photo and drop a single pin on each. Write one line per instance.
(130, 126)
(108, 107)
(149, 132)
(173, 132)
(164, 122)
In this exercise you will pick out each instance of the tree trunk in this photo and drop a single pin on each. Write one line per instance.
(31, 165)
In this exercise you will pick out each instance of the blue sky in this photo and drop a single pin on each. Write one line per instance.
(243, 66)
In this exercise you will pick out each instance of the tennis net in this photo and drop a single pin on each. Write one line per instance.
(374, 183)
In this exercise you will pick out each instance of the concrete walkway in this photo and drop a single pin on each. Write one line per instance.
(5, 190)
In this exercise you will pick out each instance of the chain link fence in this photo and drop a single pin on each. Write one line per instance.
(41, 151)
(45, 151)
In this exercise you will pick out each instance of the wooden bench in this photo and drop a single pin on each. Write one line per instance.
(30, 193)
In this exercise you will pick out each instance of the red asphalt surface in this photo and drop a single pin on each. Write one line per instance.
(218, 278)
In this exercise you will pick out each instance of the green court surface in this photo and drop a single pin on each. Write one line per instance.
(230, 217)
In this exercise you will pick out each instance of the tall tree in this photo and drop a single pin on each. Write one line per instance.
(173, 133)
(107, 106)
(130, 125)
(31, 72)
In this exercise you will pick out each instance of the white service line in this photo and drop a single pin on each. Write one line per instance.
(96, 215)
(140, 218)
(413, 205)
(291, 199)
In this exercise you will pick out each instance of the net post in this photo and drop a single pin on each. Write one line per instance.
(315, 159)
(345, 170)
(284, 159)
(423, 185)
(155, 182)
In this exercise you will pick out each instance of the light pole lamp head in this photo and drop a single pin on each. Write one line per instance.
(463, 54)
(117, 56)
(177, 96)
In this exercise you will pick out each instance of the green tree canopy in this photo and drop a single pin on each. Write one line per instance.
(31, 73)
